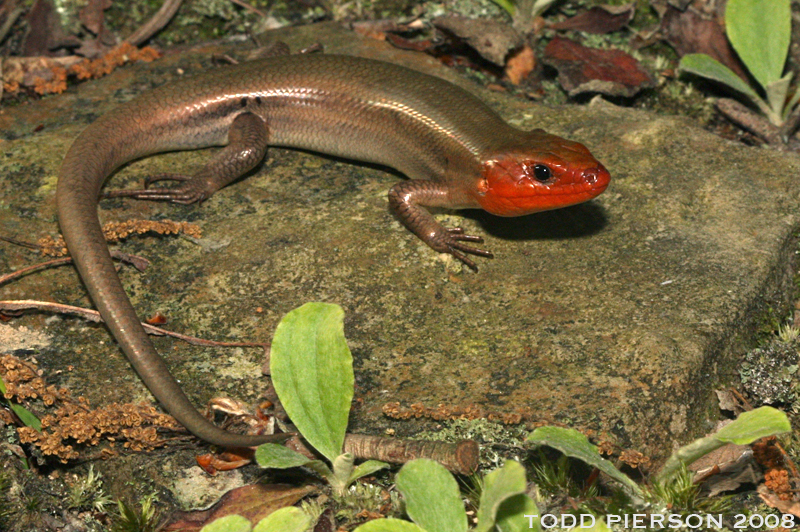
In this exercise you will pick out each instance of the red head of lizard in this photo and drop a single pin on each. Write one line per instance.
(545, 172)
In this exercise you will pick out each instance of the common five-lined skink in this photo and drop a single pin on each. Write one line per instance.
(456, 152)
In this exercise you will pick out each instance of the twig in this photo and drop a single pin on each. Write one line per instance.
(461, 457)
(9, 23)
(744, 117)
(158, 21)
(788, 460)
(20, 243)
(140, 263)
(93, 315)
(250, 8)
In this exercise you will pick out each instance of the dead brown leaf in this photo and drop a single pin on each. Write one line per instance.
(253, 502)
(45, 33)
(774, 501)
(599, 19)
(582, 69)
(692, 32)
(493, 40)
(91, 15)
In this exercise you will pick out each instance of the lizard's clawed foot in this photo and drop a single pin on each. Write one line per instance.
(453, 242)
(185, 194)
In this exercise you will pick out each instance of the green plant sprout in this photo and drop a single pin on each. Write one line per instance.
(88, 493)
(788, 333)
(131, 519)
(312, 371)
(760, 32)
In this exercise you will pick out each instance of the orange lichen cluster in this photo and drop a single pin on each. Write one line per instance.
(634, 458)
(776, 476)
(777, 481)
(23, 381)
(115, 231)
(124, 53)
(11, 87)
(443, 412)
(57, 83)
(73, 424)
(53, 79)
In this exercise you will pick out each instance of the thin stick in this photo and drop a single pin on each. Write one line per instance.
(158, 21)
(93, 315)
(137, 262)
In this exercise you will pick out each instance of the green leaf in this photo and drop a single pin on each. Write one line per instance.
(342, 469)
(708, 67)
(573, 443)
(312, 371)
(747, 428)
(760, 31)
(777, 91)
(508, 5)
(511, 515)
(274, 456)
(433, 500)
(26, 416)
(388, 525)
(290, 519)
(498, 486)
(753, 425)
(366, 468)
(22, 413)
(229, 523)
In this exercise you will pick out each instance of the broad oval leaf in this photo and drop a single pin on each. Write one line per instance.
(760, 31)
(750, 426)
(388, 525)
(573, 443)
(747, 428)
(707, 67)
(366, 468)
(274, 456)
(290, 519)
(433, 500)
(229, 523)
(518, 514)
(498, 486)
(312, 371)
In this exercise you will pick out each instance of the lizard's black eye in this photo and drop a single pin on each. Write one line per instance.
(542, 173)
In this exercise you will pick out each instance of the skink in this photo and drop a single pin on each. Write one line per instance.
(456, 152)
